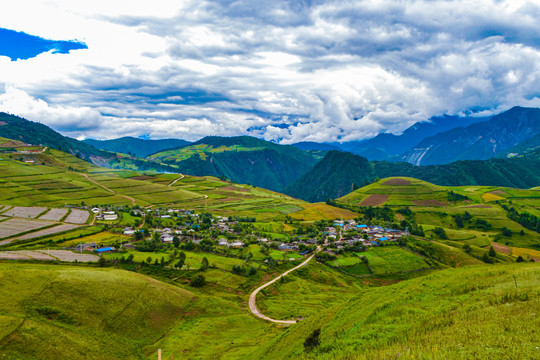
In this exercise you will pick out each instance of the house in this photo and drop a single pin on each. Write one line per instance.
(237, 244)
(96, 210)
(110, 217)
(384, 238)
(86, 247)
(284, 246)
(105, 250)
(223, 242)
(128, 246)
(128, 231)
(167, 238)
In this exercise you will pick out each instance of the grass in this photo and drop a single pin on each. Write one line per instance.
(393, 259)
(466, 313)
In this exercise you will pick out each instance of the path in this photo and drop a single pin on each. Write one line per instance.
(253, 296)
(174, 182)
(109, 190)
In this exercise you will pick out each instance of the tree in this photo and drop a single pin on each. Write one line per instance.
(162, 261)
(467, 248)
(198, 280)
(130, 258)
(101, 261)
(492, 252)
(176, 241)
(312, 341)
(204, 264)
(149, 260)
(520, 259)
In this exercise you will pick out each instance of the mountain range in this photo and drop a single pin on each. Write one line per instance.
(506, 147)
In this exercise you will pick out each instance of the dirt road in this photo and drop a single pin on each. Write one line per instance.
(174, 182)
(253, 296)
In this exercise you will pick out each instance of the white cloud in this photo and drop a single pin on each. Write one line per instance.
(283, 70)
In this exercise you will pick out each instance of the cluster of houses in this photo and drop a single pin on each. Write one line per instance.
(104, 215)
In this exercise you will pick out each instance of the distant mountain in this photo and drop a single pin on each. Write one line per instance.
(17, 128)
(338, 173)
(479, 141)
(311, 145)
(241, 159)
(390, 146)
(528, 148)
(137, 147)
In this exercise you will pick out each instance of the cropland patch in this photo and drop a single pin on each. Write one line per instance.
(49, 231)
(491, 196)
(396, 182)
(374, 200)
(54, 214)
(25, 212)
(16, 226)
(429, 202)
(77, 216)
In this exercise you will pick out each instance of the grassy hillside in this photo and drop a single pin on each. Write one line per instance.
(465, 313)
(339, 173)
(241, 159)
(56, 178)
(473, 216)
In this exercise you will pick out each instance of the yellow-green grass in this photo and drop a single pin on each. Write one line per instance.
(443, 254)
(393, 259)
(52, 312)
(102, 238)
(319, 211)
(306, 291)
(413, 192)
(201, 150)
(468, 313)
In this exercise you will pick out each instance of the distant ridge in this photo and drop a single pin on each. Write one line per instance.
(135, 146)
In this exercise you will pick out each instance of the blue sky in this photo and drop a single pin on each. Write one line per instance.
(286, 71)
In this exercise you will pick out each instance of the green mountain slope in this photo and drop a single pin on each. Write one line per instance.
(465, 313)
(137, 147)
(241, 159)
(338, 173)
(17, 128)
(334, 176)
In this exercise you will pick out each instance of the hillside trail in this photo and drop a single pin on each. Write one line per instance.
(174, 182)
(253, 296)
(109, 190)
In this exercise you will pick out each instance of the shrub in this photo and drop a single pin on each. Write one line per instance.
(198, 280)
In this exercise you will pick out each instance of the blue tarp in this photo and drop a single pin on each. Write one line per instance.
(104, 249)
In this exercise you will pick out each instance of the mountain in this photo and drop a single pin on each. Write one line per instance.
(389, 146)
(339, 173)
(241, 159)
(479, 141)
(527, 148)
(315, 146)
(29, 132)
(17, 128)
(135, 146)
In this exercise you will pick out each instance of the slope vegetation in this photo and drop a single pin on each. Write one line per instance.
(137, 147)
(339, 173)
(470, 312)
(241, 159)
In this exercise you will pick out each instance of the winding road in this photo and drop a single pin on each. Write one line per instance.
(253, 296)
(180, 178)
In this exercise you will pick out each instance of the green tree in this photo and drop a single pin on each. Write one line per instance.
(520, 259)
(204, 264)
(176, 241)
(101, 261)
(198, 280)
(467, 248)
(492, 252)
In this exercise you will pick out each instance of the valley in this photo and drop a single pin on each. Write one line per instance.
(116, 263)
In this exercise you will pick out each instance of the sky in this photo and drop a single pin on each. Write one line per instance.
(285, 71)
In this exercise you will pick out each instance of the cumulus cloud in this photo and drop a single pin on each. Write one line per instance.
(283, 70)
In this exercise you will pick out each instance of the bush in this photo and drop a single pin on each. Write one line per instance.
(198, 280)
(312, 341)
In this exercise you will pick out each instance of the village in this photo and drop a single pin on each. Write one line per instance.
(161, 229)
